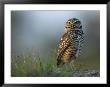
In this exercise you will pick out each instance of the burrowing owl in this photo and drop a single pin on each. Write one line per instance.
(70, 41)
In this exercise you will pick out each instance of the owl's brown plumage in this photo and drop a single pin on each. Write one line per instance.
(69, 42)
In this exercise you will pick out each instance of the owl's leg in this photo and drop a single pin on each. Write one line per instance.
(72, 65)
(66, 66)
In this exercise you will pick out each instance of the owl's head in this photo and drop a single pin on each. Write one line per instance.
(73, 24)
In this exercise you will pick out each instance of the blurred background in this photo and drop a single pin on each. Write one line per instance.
(39, 32)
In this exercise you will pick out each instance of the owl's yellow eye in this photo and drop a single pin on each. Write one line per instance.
(66, 27)
(69, 22)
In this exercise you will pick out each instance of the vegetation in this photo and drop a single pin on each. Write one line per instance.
(35, 66)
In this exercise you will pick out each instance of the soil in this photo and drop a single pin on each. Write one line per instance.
(87, 73)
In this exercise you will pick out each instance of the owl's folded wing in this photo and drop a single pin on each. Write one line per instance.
(65, 42)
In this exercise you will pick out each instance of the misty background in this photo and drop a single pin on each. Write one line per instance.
(39, 32)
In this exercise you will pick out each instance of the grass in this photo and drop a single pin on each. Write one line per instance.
(35, 66)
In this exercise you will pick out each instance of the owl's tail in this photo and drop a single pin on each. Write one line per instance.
(59, 62)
